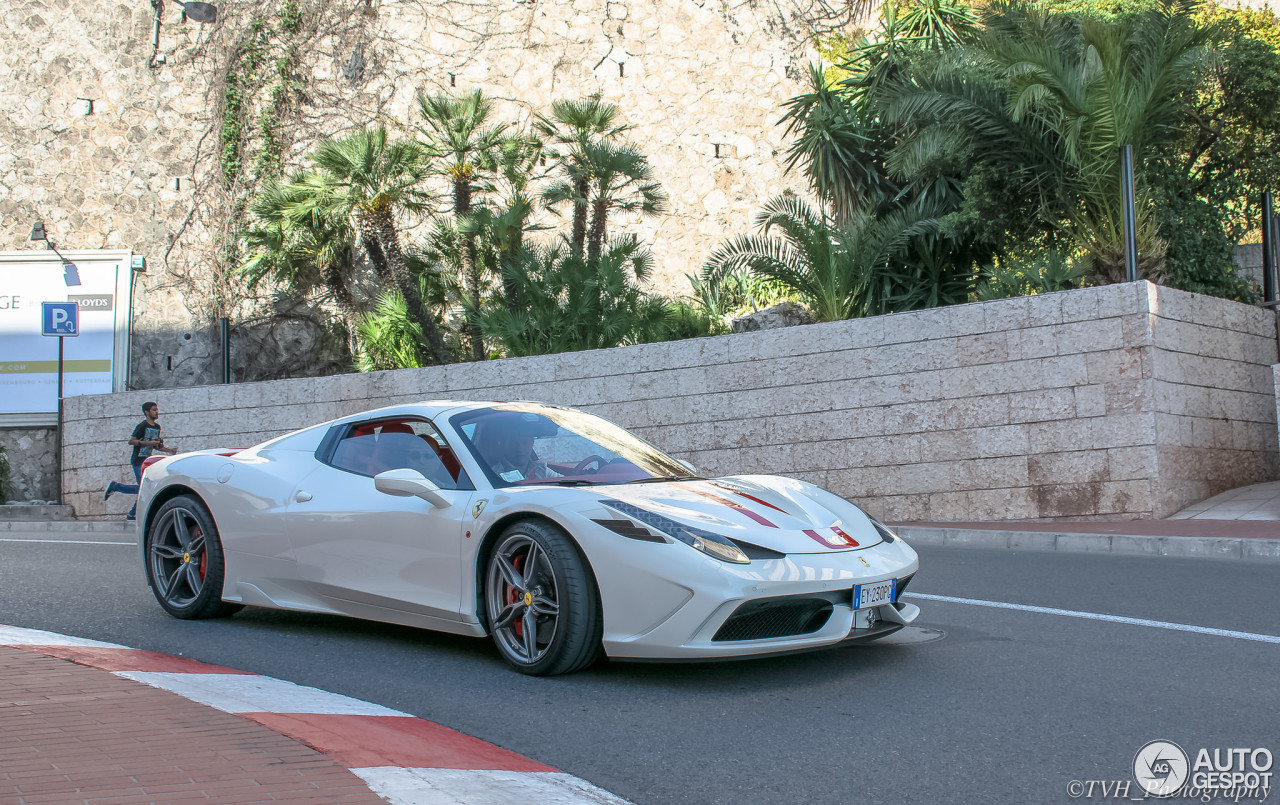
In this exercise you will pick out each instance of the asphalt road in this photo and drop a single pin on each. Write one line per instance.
(976, 704)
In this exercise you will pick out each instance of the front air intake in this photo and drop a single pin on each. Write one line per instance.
(774, 618)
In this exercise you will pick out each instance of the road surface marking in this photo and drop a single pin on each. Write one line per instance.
(238, 693)
(1097, 616)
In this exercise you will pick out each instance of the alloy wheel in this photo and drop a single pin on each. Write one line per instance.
(523, 599)
(178, 557)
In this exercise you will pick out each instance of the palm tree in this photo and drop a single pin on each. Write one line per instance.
(839, 270)
(835, 148)
(519, 156)
(569, 130)
(570, 304)
(388, 337)
(458, 134)
(620, 181)
(365, 180)
(301, 255)
(1051, 100)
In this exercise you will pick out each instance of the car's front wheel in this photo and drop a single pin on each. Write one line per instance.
(184, 560)
(541, 602)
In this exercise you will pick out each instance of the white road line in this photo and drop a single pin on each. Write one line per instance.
(1097, 616)
(410, 786)
(250, 693)
(17, 636)
(67, 541)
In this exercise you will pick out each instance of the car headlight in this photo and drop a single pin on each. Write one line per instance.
(886, 533)
(707, 542)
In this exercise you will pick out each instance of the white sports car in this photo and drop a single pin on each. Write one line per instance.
(556, 532)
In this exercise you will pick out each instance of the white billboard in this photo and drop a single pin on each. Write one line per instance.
(94, 362)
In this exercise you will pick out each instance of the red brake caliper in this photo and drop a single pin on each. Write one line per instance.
(513, 596)
(204, 559)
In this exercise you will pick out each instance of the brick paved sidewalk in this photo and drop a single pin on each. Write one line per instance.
(72, 734)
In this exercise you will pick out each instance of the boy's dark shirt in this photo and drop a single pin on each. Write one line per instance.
(145, 432)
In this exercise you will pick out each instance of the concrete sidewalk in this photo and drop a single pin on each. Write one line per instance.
(74, 734)
(1243, 523)
(82, 721)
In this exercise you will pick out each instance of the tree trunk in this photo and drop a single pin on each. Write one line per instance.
(435, 350)
(335, 284)
(509, 287)
(595, 237)
(579, 232)
(369, 240)
(470, 268)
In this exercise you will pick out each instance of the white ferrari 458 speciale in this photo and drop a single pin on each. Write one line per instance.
(555, 532)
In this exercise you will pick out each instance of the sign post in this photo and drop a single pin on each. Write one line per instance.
(59, 319)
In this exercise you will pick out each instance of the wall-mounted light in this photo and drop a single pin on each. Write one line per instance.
(70, 274)
(200, 12)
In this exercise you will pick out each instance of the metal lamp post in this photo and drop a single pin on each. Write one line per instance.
(1126, 208)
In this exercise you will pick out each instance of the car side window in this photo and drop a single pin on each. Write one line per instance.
(373, 447)
(353, 453)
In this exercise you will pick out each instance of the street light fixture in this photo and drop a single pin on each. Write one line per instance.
(70, 274)
(200, 12)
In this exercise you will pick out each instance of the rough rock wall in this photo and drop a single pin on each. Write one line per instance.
(32, 463)
(1044, 407)
(113, 148)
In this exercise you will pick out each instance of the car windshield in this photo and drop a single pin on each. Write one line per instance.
(520, 444)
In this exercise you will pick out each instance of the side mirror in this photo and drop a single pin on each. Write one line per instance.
(692, 469)
(409, 483)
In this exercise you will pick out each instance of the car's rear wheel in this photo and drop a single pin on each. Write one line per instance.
(185, 566)
(541, 601)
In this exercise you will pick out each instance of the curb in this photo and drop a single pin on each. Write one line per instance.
(70, 526)
(403, 759)
(1250, 549)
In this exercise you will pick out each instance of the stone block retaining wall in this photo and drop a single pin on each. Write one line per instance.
(1124, 401)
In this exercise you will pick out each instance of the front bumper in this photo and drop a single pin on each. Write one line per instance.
(653, 613)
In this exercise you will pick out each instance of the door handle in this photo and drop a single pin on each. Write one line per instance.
(301, 496)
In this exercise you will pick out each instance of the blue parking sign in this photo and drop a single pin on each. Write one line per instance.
(59, 318)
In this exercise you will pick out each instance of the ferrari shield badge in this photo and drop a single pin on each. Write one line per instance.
(864, 562)
(479, 507)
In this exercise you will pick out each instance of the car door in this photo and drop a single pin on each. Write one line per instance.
(375, 555)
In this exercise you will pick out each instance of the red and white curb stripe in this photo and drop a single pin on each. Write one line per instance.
(402, 758)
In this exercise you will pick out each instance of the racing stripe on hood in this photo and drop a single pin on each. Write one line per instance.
(740, 509)
(838, 538)
(727, 488)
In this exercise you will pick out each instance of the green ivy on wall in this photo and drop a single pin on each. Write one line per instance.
(257, 91)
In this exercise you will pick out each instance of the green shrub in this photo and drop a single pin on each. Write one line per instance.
(1042, 272)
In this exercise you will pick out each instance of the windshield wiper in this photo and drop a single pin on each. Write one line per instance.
(659, 478)
(563, 481)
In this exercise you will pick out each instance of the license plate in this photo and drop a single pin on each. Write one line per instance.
(874, 594)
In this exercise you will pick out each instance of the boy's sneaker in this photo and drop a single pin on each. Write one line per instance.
(109, 491)
(130, 517)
